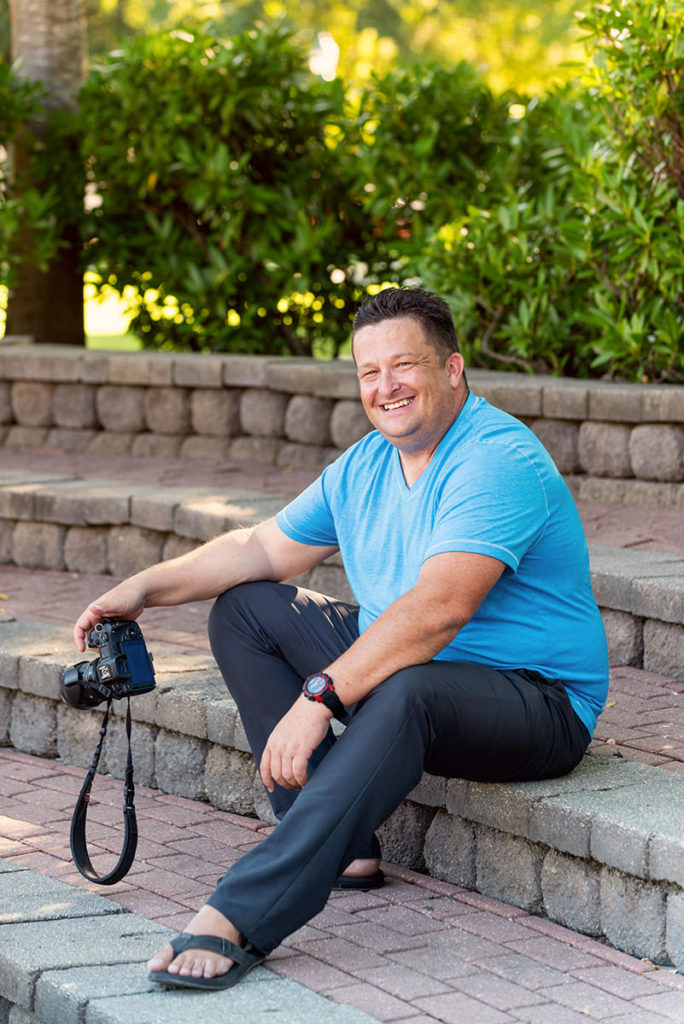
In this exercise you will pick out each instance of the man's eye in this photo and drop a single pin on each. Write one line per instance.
(369, 374)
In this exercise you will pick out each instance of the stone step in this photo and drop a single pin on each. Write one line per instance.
(600, 851)
(48, 521)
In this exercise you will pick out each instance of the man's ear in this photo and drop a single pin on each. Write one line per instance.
(455, 365)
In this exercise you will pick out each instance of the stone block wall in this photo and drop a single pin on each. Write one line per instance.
(620, 443)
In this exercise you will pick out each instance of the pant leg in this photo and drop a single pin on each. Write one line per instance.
(456, 719)
(267, 638)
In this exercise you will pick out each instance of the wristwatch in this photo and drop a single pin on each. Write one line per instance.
(319, 687)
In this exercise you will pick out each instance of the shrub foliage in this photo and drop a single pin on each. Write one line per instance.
(241, 204)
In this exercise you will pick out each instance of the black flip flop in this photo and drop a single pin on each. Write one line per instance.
(245, 958)
(363, 882)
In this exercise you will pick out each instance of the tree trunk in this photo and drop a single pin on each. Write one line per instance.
(48, 45)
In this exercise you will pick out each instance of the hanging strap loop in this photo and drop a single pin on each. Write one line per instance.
(79, 850)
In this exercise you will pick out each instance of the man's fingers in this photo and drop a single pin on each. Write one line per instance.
(299, 770)
(265, 769)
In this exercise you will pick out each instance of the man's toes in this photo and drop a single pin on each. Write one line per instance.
(161, 960)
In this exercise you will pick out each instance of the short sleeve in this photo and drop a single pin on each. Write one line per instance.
(308, 519)
(494, 504)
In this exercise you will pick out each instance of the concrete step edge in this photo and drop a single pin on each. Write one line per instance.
(600, 851)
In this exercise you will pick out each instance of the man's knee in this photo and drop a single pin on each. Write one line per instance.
(241, 608)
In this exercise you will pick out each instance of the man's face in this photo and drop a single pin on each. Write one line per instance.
(410, 394)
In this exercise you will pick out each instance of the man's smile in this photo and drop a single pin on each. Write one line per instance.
(388, 406)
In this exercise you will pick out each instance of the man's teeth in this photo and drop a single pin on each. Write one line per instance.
(397, 405)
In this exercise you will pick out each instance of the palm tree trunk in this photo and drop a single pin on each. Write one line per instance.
(48, 45)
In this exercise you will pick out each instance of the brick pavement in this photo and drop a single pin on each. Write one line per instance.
(417, 951)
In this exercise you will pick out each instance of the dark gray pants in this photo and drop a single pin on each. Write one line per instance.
(454, 719)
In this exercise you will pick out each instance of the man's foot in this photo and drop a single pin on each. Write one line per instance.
(199, 963)
(364, 867)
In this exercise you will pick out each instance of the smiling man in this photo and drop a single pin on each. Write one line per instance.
(460, 655)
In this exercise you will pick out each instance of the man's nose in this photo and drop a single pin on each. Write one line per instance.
(388, 381)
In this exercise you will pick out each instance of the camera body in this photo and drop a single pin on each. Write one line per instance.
(123, 669)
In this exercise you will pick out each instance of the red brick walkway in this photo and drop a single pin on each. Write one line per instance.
(417, 951)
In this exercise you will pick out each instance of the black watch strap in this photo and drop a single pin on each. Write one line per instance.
(320, 688)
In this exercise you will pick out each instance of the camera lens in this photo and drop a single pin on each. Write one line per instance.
(75, 689)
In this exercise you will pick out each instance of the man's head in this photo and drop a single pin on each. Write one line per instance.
(428, 309)
(409, 368)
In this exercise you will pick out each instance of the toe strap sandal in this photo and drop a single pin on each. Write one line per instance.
(244, 959)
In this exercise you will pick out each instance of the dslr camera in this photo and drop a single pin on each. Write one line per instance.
(123, 669)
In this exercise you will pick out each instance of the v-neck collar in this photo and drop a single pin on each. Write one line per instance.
(459, 423)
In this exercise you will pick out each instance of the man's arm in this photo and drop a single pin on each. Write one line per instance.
(416, 627)
(263, 552)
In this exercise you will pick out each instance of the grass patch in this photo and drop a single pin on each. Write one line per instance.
(114, 342)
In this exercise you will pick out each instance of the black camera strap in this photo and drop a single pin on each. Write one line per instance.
(79, 849)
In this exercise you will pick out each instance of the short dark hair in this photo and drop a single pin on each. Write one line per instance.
(431, 312)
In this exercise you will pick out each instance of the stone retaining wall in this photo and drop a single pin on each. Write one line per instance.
(616, 442)
(599, 851)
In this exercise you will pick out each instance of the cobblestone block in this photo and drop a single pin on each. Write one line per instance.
(666, 858)
(128, 368)
(657, 452)
(516, 396)
(622, 403)
(6, 414)
(674, 933)
(663, 403)
(201, 447)
(179, 764)
(625, 635)
(229, 780)
(642, 492)
(244, 371)
(565, 400)
(131, 549)
(142, 749)
(40, 676)
(221, 718)
(77, 735)
(85, 549)
(69, 440)
(633, 915)
(80, 502)
(262, 805)
(9, 670)
(154, 510)
(93, 367)
(175, 546)
(333, 379)
(560, 439)
(664, 648)
(17, 501)
(107, 444)
(167, 410)
(121, 409)
(259, 449)
(32, 403)
(6, 698)
(431, 791)
(402, 835)
(198, 371)
(604, 449)
(25, 437)
(502, 807)
(304, 456)
(41, 362)
(33, 726)
(184, 699)
(216, 413)
(6, 538)
(348, 423)
(508, 868)
(571, 892)
(262, 412)
(449, 850)
(38, 546)
(307, 420)
(73, 406)
(612, 492)
(157, 446)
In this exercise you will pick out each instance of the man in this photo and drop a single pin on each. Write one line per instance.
(476, 649)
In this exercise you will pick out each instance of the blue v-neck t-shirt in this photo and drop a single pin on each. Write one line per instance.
(490, 488)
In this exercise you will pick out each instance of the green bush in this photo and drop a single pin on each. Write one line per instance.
(222, 192)
(576, 268)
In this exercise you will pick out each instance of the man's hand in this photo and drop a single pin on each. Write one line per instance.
(126, 601)
(292, 743)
